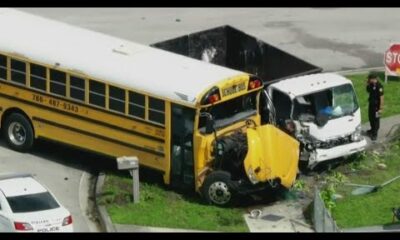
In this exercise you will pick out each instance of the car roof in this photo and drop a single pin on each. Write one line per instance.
(21, 185)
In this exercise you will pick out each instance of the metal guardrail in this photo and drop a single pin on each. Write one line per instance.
(322, 219)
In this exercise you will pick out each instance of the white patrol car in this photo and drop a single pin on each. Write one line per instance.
(27, 206)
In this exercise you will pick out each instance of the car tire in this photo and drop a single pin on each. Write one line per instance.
(18, 132)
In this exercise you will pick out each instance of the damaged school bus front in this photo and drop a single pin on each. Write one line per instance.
(246, 159)
(235, 154)
(271, 155)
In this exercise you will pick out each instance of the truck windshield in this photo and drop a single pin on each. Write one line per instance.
(334, 102)
(231, 111)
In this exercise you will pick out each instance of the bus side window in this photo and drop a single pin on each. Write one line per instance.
(57, 82)
(156, 110)
(136, 104)
(18, 71)
(77, 88)
(38, 77)
(117, 99)
(97, 92)
(3, 67)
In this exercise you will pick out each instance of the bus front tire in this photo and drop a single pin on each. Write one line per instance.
(217, 189)
(18, 132)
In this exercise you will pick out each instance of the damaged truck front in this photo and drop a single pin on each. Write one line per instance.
(235, 153)
(319, 110)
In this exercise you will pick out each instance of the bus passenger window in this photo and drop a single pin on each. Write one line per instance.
(136, 104)
(3, 67)
(97, 92)
(38, 77)
(156, 110)
(57, 82)
(77, 88)
(18, 71)
(117, 99)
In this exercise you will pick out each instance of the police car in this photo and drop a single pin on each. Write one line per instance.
(28, 206)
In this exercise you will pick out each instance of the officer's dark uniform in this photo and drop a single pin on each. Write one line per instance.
(375, 93)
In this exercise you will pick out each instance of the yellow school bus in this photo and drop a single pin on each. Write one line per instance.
(196, 123)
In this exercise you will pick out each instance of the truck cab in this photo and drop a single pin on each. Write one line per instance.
(321, 111)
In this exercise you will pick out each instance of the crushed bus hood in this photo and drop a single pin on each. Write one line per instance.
(272, 154)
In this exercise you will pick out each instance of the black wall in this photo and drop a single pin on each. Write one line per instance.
(237, 50)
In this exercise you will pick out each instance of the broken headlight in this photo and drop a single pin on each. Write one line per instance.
(252, 176)
(356, 136)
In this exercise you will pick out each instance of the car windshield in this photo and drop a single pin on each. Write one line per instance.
(230, 111)
(334, 102)
(32, 202)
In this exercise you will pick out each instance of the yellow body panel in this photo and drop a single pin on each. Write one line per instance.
(88, 128)
(272, 154)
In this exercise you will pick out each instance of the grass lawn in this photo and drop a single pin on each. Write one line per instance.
(373, 208)
(391, 89)
(160, 207)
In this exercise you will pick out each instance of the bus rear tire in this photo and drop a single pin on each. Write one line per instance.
(217, 189)
(18, 132)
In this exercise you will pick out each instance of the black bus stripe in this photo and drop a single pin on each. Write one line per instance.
(79, 103)
(98, 136)
(83, 118)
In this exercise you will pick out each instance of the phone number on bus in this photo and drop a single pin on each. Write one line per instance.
(55, 103)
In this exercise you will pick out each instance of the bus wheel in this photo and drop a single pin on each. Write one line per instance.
(18, 132)
(217, 189)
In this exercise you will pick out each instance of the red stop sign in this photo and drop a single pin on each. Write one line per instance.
(392, 58)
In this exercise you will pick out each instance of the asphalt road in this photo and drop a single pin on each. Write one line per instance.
(334, 39)
(67, 172)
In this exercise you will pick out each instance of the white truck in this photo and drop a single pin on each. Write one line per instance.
(321, 111)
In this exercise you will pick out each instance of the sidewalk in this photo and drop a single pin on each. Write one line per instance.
(386, 126)
(283, 216)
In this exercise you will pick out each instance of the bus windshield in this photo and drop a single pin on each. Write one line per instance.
(231, 111)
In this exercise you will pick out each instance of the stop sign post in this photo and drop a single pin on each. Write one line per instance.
(392, 61)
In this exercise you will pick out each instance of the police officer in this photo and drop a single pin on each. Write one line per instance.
(375, 107)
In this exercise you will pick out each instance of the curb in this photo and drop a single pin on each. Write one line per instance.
(377, 229)
(137, 228)
(360, 70)
(105, 220)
